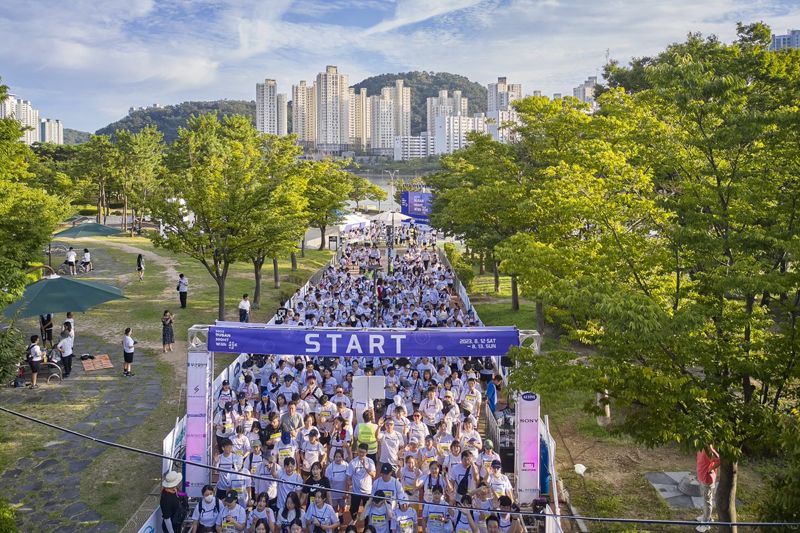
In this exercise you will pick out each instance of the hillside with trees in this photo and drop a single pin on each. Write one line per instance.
(425, 84)
(75, 136)
(169, 118)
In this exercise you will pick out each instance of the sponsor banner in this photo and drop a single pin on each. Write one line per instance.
(200, 365)
(433, 342)
(527, 426)
(417, 205)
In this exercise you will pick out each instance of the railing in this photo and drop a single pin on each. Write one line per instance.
(492, 429)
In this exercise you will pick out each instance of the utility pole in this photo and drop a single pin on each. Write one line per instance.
(390, 231)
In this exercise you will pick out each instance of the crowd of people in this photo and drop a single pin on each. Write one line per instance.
(297, 452)
(406, 234)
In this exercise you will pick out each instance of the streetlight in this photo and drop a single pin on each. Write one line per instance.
(390, 248)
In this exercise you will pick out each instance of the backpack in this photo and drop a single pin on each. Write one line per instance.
(29, 352)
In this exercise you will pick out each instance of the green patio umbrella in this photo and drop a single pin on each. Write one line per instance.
(55, 294)
(90, 229)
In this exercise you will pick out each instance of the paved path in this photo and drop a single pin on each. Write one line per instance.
(45, 485)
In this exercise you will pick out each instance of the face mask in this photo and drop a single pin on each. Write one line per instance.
(209, 498)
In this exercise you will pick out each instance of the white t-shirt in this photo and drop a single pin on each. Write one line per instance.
(312, 452)
(127, 344)
(405, 521)
(255, 515)
(71, 256)
(237, 513)
(337, 475)
(245, 305)
(36, 352)
(65, 345)
(87, 257)
(358, 470)
(326, 515)
(206, 513)
(183, 284)
(390, 446)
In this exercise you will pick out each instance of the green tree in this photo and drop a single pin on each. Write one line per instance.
(211, 192)
(363, 189)
(682, 201)
(138, 159)
(328, 189)
(282, 218)
(482, 196)
(28, 216)
(95, 166)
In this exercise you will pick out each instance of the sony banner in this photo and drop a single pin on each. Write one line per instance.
(233, 337)
(527, 458)
(199, 414)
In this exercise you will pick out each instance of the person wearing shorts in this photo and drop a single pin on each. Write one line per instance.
(34, 356)
(127, 353)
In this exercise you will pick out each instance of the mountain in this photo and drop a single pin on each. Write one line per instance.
(75, 136)
(169, 118)
(425, 84)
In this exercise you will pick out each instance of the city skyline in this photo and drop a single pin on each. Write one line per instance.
(89, 63)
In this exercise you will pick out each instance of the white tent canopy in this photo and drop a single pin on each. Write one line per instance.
(386, 217)
(352, 221)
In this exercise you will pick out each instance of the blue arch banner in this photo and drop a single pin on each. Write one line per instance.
(235, 337)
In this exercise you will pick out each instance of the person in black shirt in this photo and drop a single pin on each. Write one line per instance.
(172, 511)
(313, 482)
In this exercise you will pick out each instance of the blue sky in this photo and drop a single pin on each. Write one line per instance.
(86, 62)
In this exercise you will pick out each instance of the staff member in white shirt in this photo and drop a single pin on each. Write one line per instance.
(34, 356)
(72, 257)
(65, 347)
(183, 289)
(244, 309)
(127, 352)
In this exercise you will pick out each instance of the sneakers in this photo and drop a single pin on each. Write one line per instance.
(703, 528)
(701, 518)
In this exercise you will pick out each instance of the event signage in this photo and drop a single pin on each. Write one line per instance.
(231, 337)
(527, 425)
(200, 365)
(417, 205)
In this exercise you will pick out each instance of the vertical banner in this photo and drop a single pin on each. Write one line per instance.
(200, 366)
(527, 415)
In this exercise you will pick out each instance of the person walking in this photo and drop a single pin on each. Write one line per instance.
(127, 352)
(140, 266)
(167, 332)
(34, 356)
(244, 309)
(72, 258)
(46, 329)
(65, 346)
(707, 464)
(172, 512)
(86, 261)
(183, 289)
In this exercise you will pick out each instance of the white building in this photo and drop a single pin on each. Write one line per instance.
(304, 113)
(51, 131)
(585, 91)
(401, 96)
(382, 122)
(267, 107)
(501, 94)
(360, 119)
(501, 117)
(445, 106)
(413, 147)
(333, 110)
(23, 112)
(790, 40)
(282, 114)
(450, 133)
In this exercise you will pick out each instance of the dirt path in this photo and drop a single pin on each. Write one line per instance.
(169, 264)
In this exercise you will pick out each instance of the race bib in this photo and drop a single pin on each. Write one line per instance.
(436, 517)
(406, 524)
(284, 453)
(378, 519)
(253, 469)
(469, 398)
(444, 448)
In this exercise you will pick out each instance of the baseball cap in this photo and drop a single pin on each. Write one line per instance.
(386, 469)
(488, 444)
(231, 496)
(497, 464)
(254, 443)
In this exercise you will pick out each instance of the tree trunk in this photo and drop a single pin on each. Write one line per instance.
(99, 209)
(220, 296)
(293, 257)
(726, 493)
(124, 212)
(496, 276)
(322, 237)
(276, 278)
(540, 316)
(514, 293)
(482, 264)
(258, 263)
(303, 247)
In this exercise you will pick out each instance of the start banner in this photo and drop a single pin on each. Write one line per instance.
(235, 337)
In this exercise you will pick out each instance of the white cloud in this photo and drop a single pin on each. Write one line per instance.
(106, 56)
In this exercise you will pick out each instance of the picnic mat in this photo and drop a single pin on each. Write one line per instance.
(99, 362)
